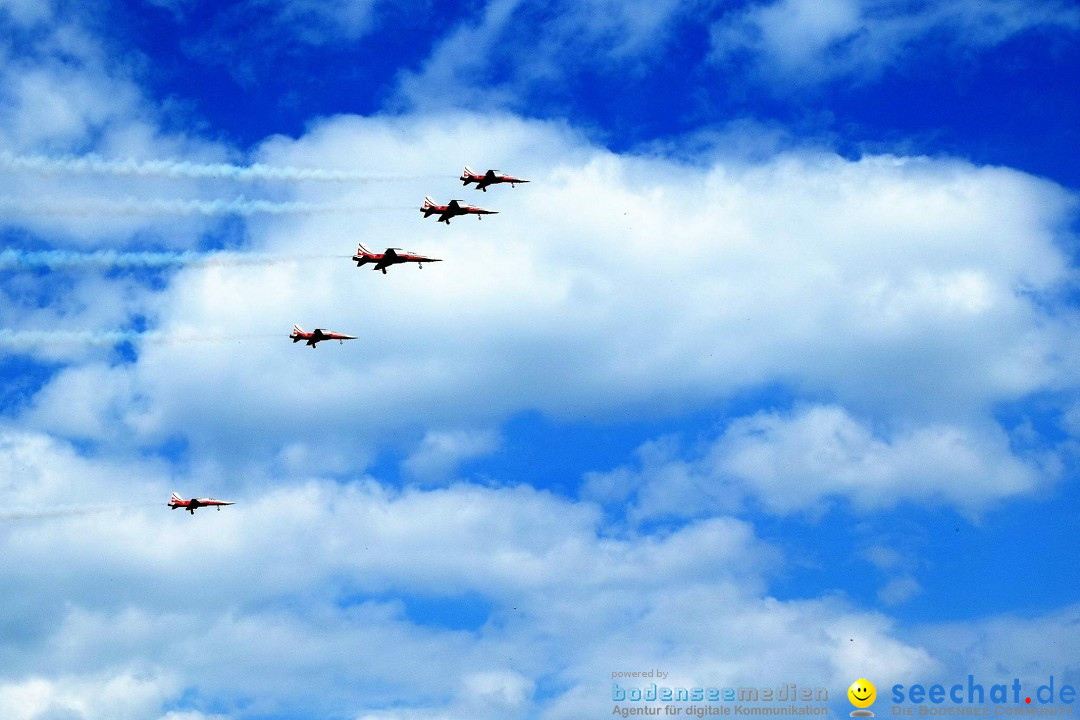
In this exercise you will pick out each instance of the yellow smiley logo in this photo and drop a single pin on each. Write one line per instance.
(862, 693)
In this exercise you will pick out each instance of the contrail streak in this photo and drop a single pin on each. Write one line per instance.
(95, 165)
(15, 259)
(69, 511)
(139, 206)
(106, 338)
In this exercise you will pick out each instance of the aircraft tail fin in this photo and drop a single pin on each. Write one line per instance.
(468, 171)
(176, 496)
(428, 202)
(362, 255)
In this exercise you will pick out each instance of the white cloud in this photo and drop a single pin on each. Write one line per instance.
(470, 64)
(313, 22)
(898, 566)
(1070, 420)
(805, 41)
(63, 93)
(505, 690)
(909, 291)
(84, 317)
(121, 696)
(27, 13)
(40, 472)
(899, 590)
(440, 452)
(795, 42)
(286, 602)
(1031, 647)
(317, 19)
(794, 461)
(795, 32)
(51, 104)
(884, 557)
(799, 461)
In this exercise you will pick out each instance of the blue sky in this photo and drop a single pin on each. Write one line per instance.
(769, 375)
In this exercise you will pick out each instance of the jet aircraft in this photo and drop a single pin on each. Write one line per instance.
(491, 177)
(194, 503)
(392, 256)
(317, 336)
(454, 209)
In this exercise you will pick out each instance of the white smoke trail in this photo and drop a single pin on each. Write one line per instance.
(158, 206)
(10, 337)
(95, 165)
(15, 259)
(64, 511)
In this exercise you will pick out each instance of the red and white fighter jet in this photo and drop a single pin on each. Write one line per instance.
(455, 208)
(317, 336)
(491, 177)
(392, 256)
(194, 503)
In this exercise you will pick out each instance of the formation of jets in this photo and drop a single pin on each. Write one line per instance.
(195, 503)
(396, 256)
(455, 207)
(381, 261)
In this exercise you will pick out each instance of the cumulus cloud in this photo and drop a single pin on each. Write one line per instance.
(288, 602)
(911, 292)
(823, 451)
(798, 461)
(121, 696)
(39, 472)
(899, 299)
(806, 41)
